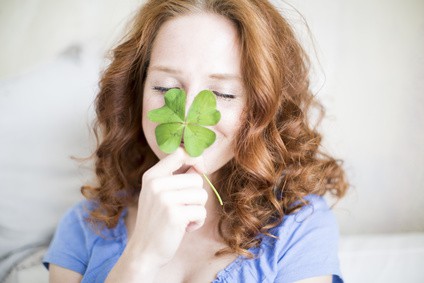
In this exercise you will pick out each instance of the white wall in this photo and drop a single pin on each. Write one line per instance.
(372, 55)
(35, 31)
(370, 77)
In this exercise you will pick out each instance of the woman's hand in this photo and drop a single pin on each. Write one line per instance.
(169, 206)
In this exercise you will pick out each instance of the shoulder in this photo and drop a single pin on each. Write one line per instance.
(75, 239)
(307, 242)
(78, 212)
(305, 246)
(315, 215)
(312, 223)
(75, 221)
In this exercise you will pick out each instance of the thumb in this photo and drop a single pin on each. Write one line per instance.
(170, 163)
(197, 165)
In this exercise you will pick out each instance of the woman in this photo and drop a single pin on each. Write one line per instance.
(152, 218)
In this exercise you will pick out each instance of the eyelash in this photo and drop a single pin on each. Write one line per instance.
(224, 96)
(163, 89)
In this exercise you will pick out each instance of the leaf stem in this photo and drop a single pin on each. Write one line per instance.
(213, 188)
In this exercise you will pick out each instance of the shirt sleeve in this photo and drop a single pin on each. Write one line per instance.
(311, 248)
(68, 247)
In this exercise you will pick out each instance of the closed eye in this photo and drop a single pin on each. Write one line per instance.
(162, 89)
(225, 96)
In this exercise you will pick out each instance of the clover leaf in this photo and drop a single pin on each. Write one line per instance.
(174, 127)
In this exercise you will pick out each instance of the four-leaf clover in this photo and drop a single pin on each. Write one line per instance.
(175, 127)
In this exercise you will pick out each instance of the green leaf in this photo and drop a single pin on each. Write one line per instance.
(173, 123)
(203, 110)
(174, 109)
(168, 136)
(197, 139)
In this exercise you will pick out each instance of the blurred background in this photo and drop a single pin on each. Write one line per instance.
(368, 70)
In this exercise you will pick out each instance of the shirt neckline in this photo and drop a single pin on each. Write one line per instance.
(222, 274)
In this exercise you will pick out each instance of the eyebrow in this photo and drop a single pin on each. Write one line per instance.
(222, 77)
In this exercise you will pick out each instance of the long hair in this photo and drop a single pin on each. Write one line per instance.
(278, 158)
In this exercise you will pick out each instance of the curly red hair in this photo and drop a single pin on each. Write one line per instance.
(278, 159)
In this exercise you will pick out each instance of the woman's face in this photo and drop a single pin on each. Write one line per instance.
(196, 52)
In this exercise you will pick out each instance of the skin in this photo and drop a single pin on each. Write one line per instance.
(173, 231)
(195, 61)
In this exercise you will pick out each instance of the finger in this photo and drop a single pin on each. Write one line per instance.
(195, 215)
(193, 226)
(189, 196)
(174, 161)
(197, 165)
(177, 182)
(168, 164)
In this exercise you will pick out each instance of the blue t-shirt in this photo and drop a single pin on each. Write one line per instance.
(307, 246)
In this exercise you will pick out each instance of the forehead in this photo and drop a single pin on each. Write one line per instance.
(201, 42)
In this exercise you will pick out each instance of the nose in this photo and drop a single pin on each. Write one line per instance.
(190, 95)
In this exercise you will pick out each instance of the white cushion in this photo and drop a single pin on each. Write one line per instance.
(45, 117)
(388, 258)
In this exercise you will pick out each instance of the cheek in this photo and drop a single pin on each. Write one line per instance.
(145, 121)
(230, 121)
(150, 102)
(147, 125)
